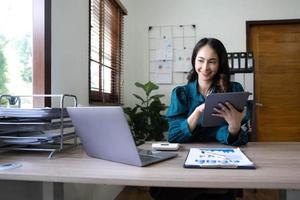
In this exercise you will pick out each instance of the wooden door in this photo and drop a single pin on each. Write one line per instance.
(276, 49)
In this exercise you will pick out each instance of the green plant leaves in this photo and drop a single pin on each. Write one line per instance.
(156, 97)
(138, 97)
(148, 87)
(144, 118)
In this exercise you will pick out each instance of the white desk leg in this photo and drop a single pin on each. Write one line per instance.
(53, 191)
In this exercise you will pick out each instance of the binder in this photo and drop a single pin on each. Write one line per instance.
(242, 56)
(227, 158)
(250, 60)
(236, 61)
(230, 60)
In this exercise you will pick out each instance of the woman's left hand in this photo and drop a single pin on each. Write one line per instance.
(232, 116)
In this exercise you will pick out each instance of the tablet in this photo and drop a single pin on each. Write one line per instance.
(237, 99)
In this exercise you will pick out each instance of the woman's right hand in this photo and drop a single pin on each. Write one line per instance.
(194, 117)
(201, 108)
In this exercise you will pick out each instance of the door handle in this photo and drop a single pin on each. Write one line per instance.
(259, 104)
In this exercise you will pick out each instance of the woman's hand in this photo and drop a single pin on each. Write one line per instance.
(200, 108)
(194, 117)
(232, 116)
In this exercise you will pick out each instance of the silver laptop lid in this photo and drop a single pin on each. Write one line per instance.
(105, 134)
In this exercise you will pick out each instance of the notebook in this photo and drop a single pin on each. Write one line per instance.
(105, 134)
(237, 99)
(217, 158)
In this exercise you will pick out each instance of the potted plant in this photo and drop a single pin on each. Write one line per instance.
(145, 118)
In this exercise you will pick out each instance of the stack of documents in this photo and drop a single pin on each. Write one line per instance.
(45, 114)
(34, 126)
(13, 120)
(36, 138)
(217, 158)
(7, 128)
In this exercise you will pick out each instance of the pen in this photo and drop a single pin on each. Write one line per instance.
(213, 154)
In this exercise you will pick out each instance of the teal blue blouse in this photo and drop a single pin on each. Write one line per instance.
(184, 100)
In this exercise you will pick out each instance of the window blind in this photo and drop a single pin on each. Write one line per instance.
(106, 52)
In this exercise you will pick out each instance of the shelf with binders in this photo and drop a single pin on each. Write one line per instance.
(241, 66)
(240, 62)
(36, 129)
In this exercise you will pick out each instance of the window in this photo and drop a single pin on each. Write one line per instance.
(16, 47)
(105, 51)
(33, 65)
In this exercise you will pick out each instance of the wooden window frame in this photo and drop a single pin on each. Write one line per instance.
(100, 96)
(41, 81)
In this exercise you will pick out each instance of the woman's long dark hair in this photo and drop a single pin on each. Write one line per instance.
(222, 78)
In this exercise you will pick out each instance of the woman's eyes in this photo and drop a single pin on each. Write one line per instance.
(210, 61)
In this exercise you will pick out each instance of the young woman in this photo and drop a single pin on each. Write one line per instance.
(210, 74)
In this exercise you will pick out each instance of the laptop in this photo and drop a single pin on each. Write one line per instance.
(105, 134)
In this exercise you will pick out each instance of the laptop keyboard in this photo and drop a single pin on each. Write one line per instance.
(146, 158)
(147, 155)
(152, 156)
(145, 152)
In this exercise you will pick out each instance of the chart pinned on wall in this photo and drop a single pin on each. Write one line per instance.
(170, 51)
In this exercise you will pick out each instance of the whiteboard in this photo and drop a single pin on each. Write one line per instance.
(170, 51)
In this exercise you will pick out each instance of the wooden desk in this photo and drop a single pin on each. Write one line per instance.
(278, 167)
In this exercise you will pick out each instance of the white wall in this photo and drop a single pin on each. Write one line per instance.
(70, 28)
(214, 18)
(224, 20)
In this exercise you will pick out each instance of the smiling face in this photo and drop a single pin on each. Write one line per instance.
(206, 64)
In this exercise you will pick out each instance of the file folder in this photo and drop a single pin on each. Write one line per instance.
(227, 158)
(250, 60)
(242, 56)
(236, 61)
(230, 61)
